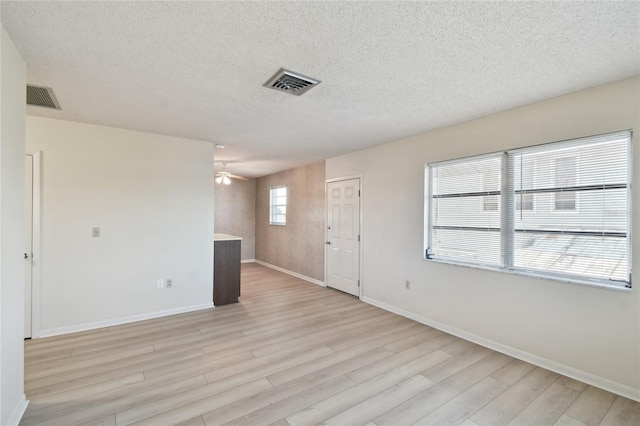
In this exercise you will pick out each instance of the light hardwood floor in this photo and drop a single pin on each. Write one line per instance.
(294, 353)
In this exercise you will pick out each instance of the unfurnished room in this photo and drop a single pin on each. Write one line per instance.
(326, 212)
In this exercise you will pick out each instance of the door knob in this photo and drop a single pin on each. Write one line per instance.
(328, 242)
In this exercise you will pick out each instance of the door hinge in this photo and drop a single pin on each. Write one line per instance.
(358, 238)
(358, 283)
(358, 192)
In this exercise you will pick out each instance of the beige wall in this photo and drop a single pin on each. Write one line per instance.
(12, 228)
(589, 333)
(151, 196)
(299, 245)
(235, 213)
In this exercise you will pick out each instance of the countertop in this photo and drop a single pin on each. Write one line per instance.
(225, 237)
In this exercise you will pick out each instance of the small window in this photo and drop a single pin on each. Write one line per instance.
(524, 182)
(490, 179)
(278, 205)
(524, 201)
(490, 203)
(565, 181)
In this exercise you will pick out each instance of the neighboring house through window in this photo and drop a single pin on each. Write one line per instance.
(524, 181)
(565, 177)
(491, 179)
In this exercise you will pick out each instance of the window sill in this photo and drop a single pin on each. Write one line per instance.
(532, 274)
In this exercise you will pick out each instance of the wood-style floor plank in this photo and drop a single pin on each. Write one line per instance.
(343, 400)
(295, 353)
(439, 394)
(623, 412)
(591, 406)
(506, 406)
(459, 408)
(275, 410)
(547, 407)
(365, 411)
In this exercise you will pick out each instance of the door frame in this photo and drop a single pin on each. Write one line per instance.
(360, 230)
(36, 236)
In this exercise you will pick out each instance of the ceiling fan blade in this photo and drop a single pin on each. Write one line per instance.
(237, 177)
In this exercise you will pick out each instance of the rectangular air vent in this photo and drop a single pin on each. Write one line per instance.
(41, 97)
(291, 82)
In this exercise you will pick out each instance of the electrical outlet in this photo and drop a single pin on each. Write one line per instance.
(407, 284)
(168, 283)
(160, 283)
(95, 232)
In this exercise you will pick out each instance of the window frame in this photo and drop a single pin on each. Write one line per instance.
(500, 203)
(507, 229)
(272, 206)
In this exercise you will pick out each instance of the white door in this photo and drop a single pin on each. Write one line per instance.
(343, 235)
(28, 200)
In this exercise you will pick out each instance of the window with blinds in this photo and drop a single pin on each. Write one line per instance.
(465, 210)
(557, 210)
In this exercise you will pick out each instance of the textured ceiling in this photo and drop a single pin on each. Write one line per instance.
(388, 69)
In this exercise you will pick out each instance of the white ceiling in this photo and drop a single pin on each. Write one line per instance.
(388, 69)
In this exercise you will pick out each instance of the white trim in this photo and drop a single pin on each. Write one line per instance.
(18, 411)
(338, 179)
(629, 205)
(583, 376)
(294, 274)
(36, 235)
(533, 274)
(247, 261)
(122, 320)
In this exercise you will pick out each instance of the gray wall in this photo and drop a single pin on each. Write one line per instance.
(299, 245)
(235, 213)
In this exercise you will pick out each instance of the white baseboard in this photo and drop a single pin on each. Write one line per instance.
(18, 412)
(247, 261)
(565, 370)
(122, 320)
(294, 274)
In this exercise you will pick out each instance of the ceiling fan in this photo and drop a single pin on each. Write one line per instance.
(225, 177)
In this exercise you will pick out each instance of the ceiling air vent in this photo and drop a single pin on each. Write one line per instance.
(42, 97)
(291, 82)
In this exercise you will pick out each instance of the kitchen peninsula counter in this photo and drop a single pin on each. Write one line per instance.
(226, 268)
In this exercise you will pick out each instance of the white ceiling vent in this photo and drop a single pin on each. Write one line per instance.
(291, 82)
(42, 97)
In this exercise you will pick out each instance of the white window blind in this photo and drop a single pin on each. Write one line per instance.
(465, 210)
(559, 210)
(579, 225)
(278, 205)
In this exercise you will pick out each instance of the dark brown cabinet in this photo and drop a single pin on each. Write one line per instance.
(226, 271)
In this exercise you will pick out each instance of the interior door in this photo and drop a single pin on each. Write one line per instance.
(28, 251)
(343, 235)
